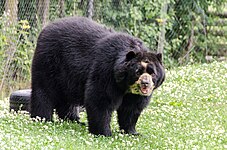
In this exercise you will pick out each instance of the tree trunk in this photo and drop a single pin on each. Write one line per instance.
(161, 41)
(62, 8)
(189, 46)
(11, 9)
(43, 11)
(90, 9)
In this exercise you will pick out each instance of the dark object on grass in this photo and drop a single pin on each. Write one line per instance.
(78, 62)
(20, 100)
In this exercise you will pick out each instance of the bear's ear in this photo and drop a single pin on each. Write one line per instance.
(159, 57)
(130, 55)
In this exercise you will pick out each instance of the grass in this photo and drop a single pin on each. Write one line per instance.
(188, 112)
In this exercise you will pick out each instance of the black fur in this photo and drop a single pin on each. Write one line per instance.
(78, 62)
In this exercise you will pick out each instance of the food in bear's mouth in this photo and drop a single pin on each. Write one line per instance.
(143, 86)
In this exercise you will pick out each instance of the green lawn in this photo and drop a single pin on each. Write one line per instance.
(188, 112)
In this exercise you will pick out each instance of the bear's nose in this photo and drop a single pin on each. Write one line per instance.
(145, 82)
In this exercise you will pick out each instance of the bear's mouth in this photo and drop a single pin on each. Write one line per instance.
(144, 89)
(143, 86)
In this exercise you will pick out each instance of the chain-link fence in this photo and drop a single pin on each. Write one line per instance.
(185, 31)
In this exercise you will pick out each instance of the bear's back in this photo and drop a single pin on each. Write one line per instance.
(69, 42)
(73, 32)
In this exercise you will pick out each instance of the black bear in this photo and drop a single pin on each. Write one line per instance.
(78, 62)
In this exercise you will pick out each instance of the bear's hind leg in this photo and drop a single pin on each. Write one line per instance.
(69, 112)
(41, 105)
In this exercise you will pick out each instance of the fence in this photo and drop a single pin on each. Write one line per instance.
(185, 31)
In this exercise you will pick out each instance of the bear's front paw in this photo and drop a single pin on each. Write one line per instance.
(134, 133)
(105, 133)
(131, 132)
(108, 134)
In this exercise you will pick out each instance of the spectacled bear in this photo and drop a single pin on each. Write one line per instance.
(78, 62)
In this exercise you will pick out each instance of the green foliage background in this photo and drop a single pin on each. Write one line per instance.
(190, 30)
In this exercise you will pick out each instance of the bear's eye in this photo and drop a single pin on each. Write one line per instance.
(150, 69)
(147, 61)
(138, 72)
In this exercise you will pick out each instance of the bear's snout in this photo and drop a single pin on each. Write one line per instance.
(143, 86)
(145, 82)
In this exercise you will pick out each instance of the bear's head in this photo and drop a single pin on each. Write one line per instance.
(140, 72)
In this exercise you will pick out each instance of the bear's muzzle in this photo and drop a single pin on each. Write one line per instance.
(143, 86)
